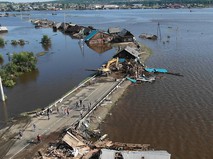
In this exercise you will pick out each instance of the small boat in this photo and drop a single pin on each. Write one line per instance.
(146, 79)
(3, 29)
(156, 70)
(131, 80)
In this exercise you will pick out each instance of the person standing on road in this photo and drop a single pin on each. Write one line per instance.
(89, 108)
(48, 116)
(68, 111)
(48, 110)
(38, 138)
(80, 102)
(34, 127)
(76, 104)
(20, 134)
(81, 113)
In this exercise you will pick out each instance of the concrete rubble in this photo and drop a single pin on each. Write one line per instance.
(74, 145)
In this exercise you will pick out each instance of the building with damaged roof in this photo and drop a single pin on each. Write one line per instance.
(127, 53)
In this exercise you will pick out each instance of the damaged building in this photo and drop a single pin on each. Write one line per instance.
(97, 37)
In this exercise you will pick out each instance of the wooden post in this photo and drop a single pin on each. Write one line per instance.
(2, 91)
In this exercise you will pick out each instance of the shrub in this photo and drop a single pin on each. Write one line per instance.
(45, 40)
(14, 42)
(1, 59)
(21, 62)
(21, 42)
(2, 42)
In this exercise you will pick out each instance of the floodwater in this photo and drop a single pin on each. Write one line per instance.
(173, 114)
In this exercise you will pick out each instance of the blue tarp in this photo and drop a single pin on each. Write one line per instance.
(160, 70)
(132, 80)
(121, 60)
(88, 37)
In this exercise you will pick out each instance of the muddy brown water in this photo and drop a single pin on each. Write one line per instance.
(173, 114)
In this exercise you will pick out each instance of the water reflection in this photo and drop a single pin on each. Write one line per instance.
(1, 60)
(27, 77)
(81, 45)
(100, 48)
(5, 112)
(46, 47)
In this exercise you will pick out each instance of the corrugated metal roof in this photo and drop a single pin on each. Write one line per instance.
(130, 50)
(110, 154)
(114, 30)
(93, 33)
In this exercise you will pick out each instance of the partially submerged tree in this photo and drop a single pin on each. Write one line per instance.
(14, 42)
(2, 43)
(21, 42)
(46, 40)
(1, 59)
(20, 63)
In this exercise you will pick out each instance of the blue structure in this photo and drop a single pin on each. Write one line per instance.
(132, 80)
(91, 35)
(156, 70)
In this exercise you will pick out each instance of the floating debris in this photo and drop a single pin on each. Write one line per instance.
(148, 36)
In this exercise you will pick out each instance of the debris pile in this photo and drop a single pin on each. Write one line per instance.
(42, 23)
(73, 145)
(148, 36)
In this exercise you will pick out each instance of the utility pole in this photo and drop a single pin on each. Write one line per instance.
(159, 31)
(2, 91)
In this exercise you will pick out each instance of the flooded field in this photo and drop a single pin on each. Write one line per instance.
(174, 113)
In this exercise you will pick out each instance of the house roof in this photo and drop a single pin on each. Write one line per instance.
(57, 25)
(110, 154)
(93, 33)
(130, 50)
(124, 32)
(114, 30)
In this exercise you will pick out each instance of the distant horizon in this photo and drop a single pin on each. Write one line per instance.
(25, 1)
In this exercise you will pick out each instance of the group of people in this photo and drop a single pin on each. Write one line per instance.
(20, 133)
(66, 112)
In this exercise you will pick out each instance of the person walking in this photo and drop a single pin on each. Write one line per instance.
(68, 111)
(48, 110)
(38, 138)
(89, 107)
(76, 104)
(20, 134)
(81, 113)
(48, 116)
(34, 127)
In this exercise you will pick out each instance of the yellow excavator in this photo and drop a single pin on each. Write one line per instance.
(105, 69)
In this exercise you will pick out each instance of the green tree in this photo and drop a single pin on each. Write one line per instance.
(46, 40)
(1, 59)
(2, 42)
(26, 61)
(20, 63)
